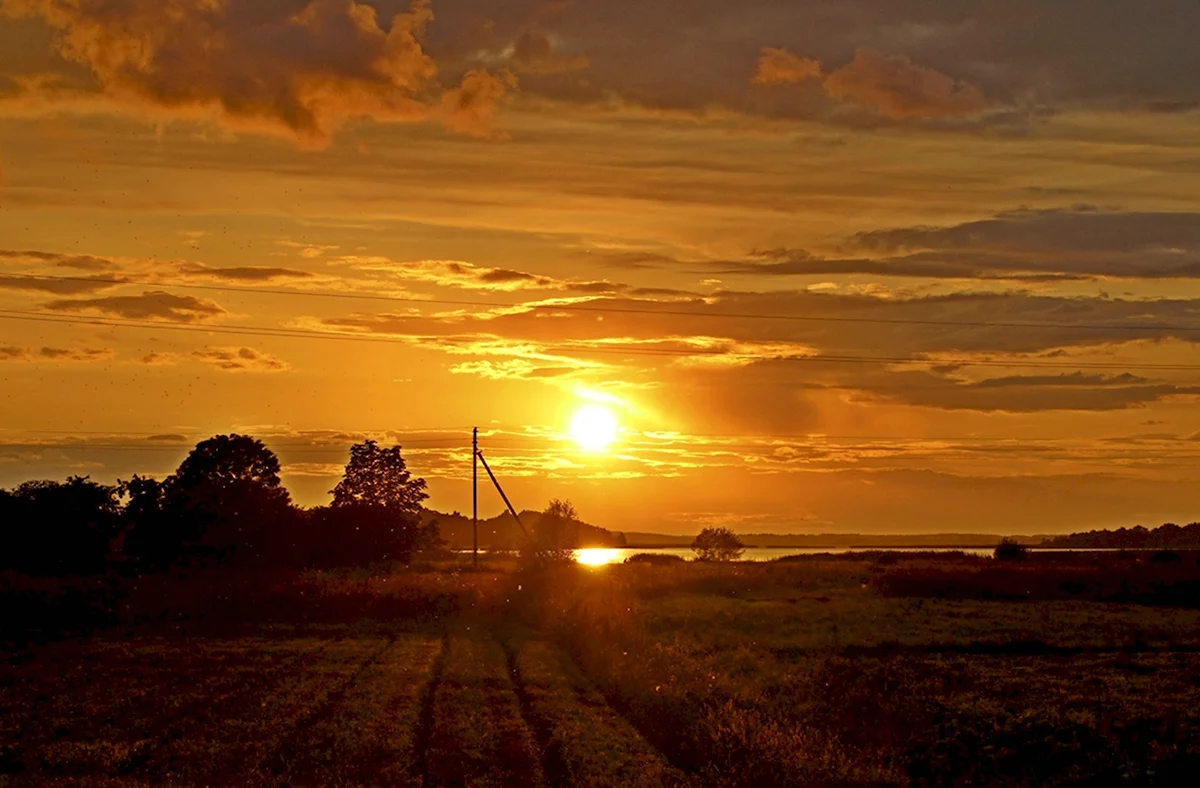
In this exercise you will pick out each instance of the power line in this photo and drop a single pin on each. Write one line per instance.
(296, 333)
(622, 310)
(663, 436)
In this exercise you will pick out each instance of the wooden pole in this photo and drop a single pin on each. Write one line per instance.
(475, 495)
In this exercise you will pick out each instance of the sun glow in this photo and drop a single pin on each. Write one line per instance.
(597, 556)
(593, 427)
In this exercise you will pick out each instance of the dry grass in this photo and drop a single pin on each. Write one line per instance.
(796, 673)
(804, 673)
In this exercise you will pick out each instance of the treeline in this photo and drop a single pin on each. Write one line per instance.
(224, 504)
(502, 531)
(1166, 537)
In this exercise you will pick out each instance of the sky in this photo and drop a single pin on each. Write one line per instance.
(896, 266)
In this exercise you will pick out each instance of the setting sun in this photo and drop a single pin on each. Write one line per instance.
(593, 427)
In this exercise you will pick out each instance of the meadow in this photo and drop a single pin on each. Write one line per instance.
(870, 669)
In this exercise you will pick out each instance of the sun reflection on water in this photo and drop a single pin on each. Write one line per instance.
(598, 556)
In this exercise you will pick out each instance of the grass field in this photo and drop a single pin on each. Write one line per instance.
(820, 672)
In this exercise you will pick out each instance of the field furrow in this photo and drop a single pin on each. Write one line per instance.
(365, 735)
(136, 700)
(586, 741)
(478, 736)
(232, 740)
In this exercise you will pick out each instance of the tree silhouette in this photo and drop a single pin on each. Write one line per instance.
(59, 528)
(556, 533)
(379, 477)
(717, 544)
(226, 498)
(376, 509)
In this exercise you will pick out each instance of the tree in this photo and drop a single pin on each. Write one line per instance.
(379, 477)
(147, 537)
(226, 498)
(59, 528)
(717, 544)
(556, 533)
(376, 509)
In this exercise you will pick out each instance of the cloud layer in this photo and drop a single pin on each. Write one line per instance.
(304, 68)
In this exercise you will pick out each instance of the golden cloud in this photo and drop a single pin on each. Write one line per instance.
(897, 88)
(891, 85)
(778, 66)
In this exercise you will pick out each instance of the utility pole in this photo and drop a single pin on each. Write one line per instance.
(475, 495)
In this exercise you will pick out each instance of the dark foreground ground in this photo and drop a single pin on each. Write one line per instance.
(853, 671)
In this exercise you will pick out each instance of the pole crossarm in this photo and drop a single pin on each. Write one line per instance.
(500, 489)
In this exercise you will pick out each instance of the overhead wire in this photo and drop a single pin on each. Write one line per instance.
(577, 307)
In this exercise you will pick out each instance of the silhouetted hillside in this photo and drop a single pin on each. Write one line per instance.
(503, 532)
(1166, 537)
(877, 541)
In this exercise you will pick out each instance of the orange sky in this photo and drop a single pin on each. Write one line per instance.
(891, 266)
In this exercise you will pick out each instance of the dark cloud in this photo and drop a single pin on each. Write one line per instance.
(891, 85)
(798, 262)
(1074, 379)
(13, 353)
(56, 286)
(836, 323)
(1021, 246)
(154, 305)
(244, 359)
(81, 262)
(534, 53)
(897, 88)
(159, 359)
(1032, 393)
(632, 260)
(1082, 229)
(244, 273)
(306, 66)
(1074, 242)
(75, 354)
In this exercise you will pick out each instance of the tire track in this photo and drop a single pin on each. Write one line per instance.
(554, 765)
(585, 738)
(477, 734)
(425, 722)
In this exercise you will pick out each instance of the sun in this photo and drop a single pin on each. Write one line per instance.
(593, 427)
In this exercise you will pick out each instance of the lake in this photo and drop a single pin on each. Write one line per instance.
(599, 556)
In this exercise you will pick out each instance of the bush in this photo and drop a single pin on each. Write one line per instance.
(655, 559)
(1010, 550)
